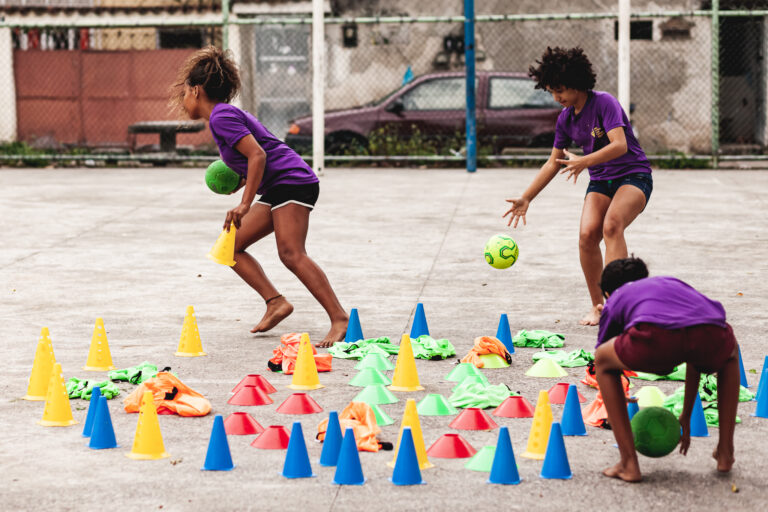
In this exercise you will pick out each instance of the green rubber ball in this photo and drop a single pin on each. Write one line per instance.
(656, 431)
(220, 178)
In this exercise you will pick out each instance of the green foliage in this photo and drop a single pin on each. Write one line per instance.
(681, 161)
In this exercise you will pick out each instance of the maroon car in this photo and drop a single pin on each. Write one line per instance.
(510, 112)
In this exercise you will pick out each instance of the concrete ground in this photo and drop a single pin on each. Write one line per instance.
(129, 245)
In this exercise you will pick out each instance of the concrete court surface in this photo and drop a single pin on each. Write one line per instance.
(129, 245)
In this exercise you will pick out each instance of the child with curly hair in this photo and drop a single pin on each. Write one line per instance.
(287, 186)
(620, 175)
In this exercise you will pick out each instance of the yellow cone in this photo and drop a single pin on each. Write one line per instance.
(223, 251)
(41, 368)
(99, 357)
(406, 377)
(58, 412)
(148, 441)
(305, 373)
(542, 422)
(411, 419)
(190, 344)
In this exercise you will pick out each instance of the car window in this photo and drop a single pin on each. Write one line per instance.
(437, 94)
(518, 93)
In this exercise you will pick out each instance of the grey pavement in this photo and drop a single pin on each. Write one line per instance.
(129, 245)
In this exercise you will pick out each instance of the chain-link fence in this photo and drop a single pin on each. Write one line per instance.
(394, 77)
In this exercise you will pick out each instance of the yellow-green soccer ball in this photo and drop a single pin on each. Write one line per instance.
(501, 251)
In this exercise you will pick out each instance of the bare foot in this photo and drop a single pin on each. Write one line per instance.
(724, 461)
(630, 473)
(276, 312)
(593, 317)
(337, 333)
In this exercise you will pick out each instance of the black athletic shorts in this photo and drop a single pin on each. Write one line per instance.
(280, 195)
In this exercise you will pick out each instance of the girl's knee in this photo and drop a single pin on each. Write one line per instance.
(290, 256)
(589, 238)
(612, 227)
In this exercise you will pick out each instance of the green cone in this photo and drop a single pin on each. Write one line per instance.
(471, 379)
(382, 418)
(377, 394)
(461, 371)
(435, 405)
(546, 368)
(482, 460)
(650, 396)
(369, 377)
(374, 360)
(491, 361)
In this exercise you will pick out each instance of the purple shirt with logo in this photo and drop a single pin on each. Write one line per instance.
(589, 129)
(284, 166)
(663, 301)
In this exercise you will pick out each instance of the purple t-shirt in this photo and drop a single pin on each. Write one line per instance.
(589, 129)
(229, 124)
(663, 301)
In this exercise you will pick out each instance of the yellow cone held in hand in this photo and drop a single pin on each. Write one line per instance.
(99, 357)
(406, 378)
(41, 368)
(223, 251)
(411, 419)
(542, 423)
(305, 373)
(190, 344)
(148, 441)
(58, 412)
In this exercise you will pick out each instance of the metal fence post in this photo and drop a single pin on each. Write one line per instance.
(715, 106)
(624, 56)
(469, 62)
(318, 86)
(224, 24)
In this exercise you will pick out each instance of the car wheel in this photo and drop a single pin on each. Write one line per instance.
(345, 143)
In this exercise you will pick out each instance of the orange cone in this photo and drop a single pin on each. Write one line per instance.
(58, 412)
(148, 441)
(190, 344)
(542, 423)
(406, 378)
(305, 374)
(411, 419)
(41, 368)
(99, 357)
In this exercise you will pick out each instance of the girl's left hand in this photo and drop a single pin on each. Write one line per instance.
(235, 215)
(574, 165)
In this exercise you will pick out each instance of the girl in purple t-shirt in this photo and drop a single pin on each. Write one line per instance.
(289, 189)
(620, 175)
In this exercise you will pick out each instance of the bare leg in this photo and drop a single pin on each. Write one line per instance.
(291, 223)
(626, 205)
(257, 224)
(608, 369)
(590, 234)
(727, 402)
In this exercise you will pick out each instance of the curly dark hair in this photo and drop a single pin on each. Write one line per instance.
(212, 68)
(563, 67)
(619, 272)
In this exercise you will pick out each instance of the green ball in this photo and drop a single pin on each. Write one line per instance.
(501, 251)
(656, 431)
(220, 178)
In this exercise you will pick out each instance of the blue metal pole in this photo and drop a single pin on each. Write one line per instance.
(469, 62)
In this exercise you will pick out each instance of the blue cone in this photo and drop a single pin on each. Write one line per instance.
(762, 403)
(348, 470)
(92, 406)
(354, 331)
(504, 468)
(632, 409)
(296, 458)
(763, 378)
(218, 457)
(504, 335)
(332, 442)
(419, 326)
(556, 459)
(698, 421)
(406, 470)
(102, 435)
(742, 373)
(572, 421)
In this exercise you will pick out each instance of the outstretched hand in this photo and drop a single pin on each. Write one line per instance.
(236, 215)
(685, 437)
(518, 211)
(574, 164)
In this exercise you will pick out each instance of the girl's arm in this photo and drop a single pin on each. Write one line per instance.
(617, 147)
(692, 378)
(257, 159)
(542, 179)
